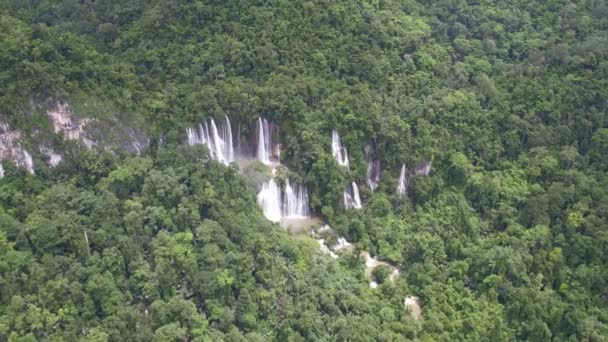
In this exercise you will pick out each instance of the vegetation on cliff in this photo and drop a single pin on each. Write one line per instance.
(504, 240)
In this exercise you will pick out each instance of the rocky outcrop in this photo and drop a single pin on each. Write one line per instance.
(412, 304)
(325, 249)
(12, 150)
(423, 168)
(135, 140)
(52, 158)
(86, 132)
(66, 124)
(322, 233)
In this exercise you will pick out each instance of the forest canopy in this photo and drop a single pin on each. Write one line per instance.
(505, 239)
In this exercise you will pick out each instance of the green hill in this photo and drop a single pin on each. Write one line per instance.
(504, 239)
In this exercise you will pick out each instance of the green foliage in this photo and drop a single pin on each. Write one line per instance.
(504, 240)
(381, 274)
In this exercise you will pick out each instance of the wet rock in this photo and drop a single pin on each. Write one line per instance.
(412, 304)
(53, 158)
(12, 150)
(65, 123)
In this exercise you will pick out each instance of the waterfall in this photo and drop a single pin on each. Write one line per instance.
(423, 168)
(292, 203)
(348, 199)
(356, 197)
(216, 142)
(326, 250)
(239, 148)
(137, 142)
(195, 137)
(339, 152)
(1, 171)
(342, 244)
(295, 203)
(373, 168)
(402, 188)
(86, 239)
(217, 139)
(27, 162)
(352, 200)
(270, 200)
(267, 150)
(53, 158)
(263, 152)
(227, 139)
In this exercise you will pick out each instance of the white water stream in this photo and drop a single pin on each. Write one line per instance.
(217, 138)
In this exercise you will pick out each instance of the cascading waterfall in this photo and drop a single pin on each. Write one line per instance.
(266, 150)
(27, 162)
(342, 243)
(218, 140)
(137, 141)
(1, 171)
(195, 136)
(352, 200)
(351, 193)
(263, 142)
(292, 203)
(270, 200)
(373, 168)
(263, 152)
(423, 168)
(295, 204)
(339, 152)
(348, 199)
(227, 140)
(216, 143)
(356, 197)
(326, 250)
(402, 188)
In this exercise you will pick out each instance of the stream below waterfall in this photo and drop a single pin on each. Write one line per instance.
(410, 303)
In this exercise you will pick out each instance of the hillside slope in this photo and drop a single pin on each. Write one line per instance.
(496, 112)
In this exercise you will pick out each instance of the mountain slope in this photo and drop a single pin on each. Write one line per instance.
(503, 238)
